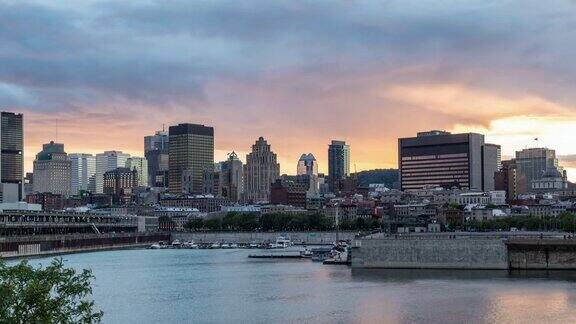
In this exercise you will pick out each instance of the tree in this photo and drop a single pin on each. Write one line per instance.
(53, 294)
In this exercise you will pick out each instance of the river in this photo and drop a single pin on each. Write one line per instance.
(224, 286)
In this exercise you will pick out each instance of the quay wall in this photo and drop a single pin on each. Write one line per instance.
(542, 254)
(430, 253)
(257, 237)
(27, 246)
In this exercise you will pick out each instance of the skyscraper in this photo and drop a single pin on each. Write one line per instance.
(232, 178)
(307, 170)
(105, 162)
(307, 165)
(439, 158)
(139, 164)
(260, 171)
(12, 157)
(338, 163)
(533, 163)
(52, 170)
(83, 172)
(191, 151)
(156, 153)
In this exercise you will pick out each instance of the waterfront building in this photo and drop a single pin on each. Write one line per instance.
(338, 164)
(83, 173)
(120, 183)
(191, 151)
(533, 163)
(204, 203)
(107, 161)
(156, 152)
(12, 157)
(47, 200)
(444, 159)
(261, 169)
(139, 164)
(52, 170)
(26, 222)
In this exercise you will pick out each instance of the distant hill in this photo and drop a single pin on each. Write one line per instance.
(389, 177)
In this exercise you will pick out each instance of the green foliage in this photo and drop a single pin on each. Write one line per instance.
(564, 222)
(53, 294)
(235, 221)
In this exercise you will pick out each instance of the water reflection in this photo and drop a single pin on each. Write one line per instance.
(224, 286)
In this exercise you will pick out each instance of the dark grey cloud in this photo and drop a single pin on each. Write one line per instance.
(59, 56)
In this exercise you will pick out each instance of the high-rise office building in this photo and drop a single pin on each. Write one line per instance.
(83, 172)
(191, 151)
(492, 162)
(12, 157)
(139, 164)
(307, 165)
(232, 178)
(52, 170)
(307, 170)
(338, 164)
(533, 163)
(260, 171)
(120, 183)
(156, 153)
(439, 158)
(105, 162)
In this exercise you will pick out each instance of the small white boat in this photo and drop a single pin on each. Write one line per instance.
(225, 246)
(281, 243)
(155, 246)
(215, 246)
(234, 246)
(254, 245)
(190, 245)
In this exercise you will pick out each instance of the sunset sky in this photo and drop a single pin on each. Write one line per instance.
(299, 73)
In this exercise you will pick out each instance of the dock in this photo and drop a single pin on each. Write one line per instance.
(276, 256)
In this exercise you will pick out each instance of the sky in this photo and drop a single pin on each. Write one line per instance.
(100, 75)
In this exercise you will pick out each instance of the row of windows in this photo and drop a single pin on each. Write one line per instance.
(434, 160)
(439, 156)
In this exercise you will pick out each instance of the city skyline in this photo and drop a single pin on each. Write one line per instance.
(376, 72)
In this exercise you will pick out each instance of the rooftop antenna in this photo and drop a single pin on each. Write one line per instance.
(56, 130)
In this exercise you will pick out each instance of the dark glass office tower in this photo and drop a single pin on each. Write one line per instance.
(444, 159)
(12, 156)
(338, 163)
(191, 151)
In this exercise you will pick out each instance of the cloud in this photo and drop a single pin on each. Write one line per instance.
(298, 73)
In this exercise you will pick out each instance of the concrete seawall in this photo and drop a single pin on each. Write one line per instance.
(251, 237)
(430, 253)
(27, 246)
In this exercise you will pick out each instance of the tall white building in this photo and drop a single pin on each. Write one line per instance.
(105, 162)
(83, 172)
(139, 164)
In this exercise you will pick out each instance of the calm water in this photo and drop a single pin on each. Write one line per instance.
(224, 286)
